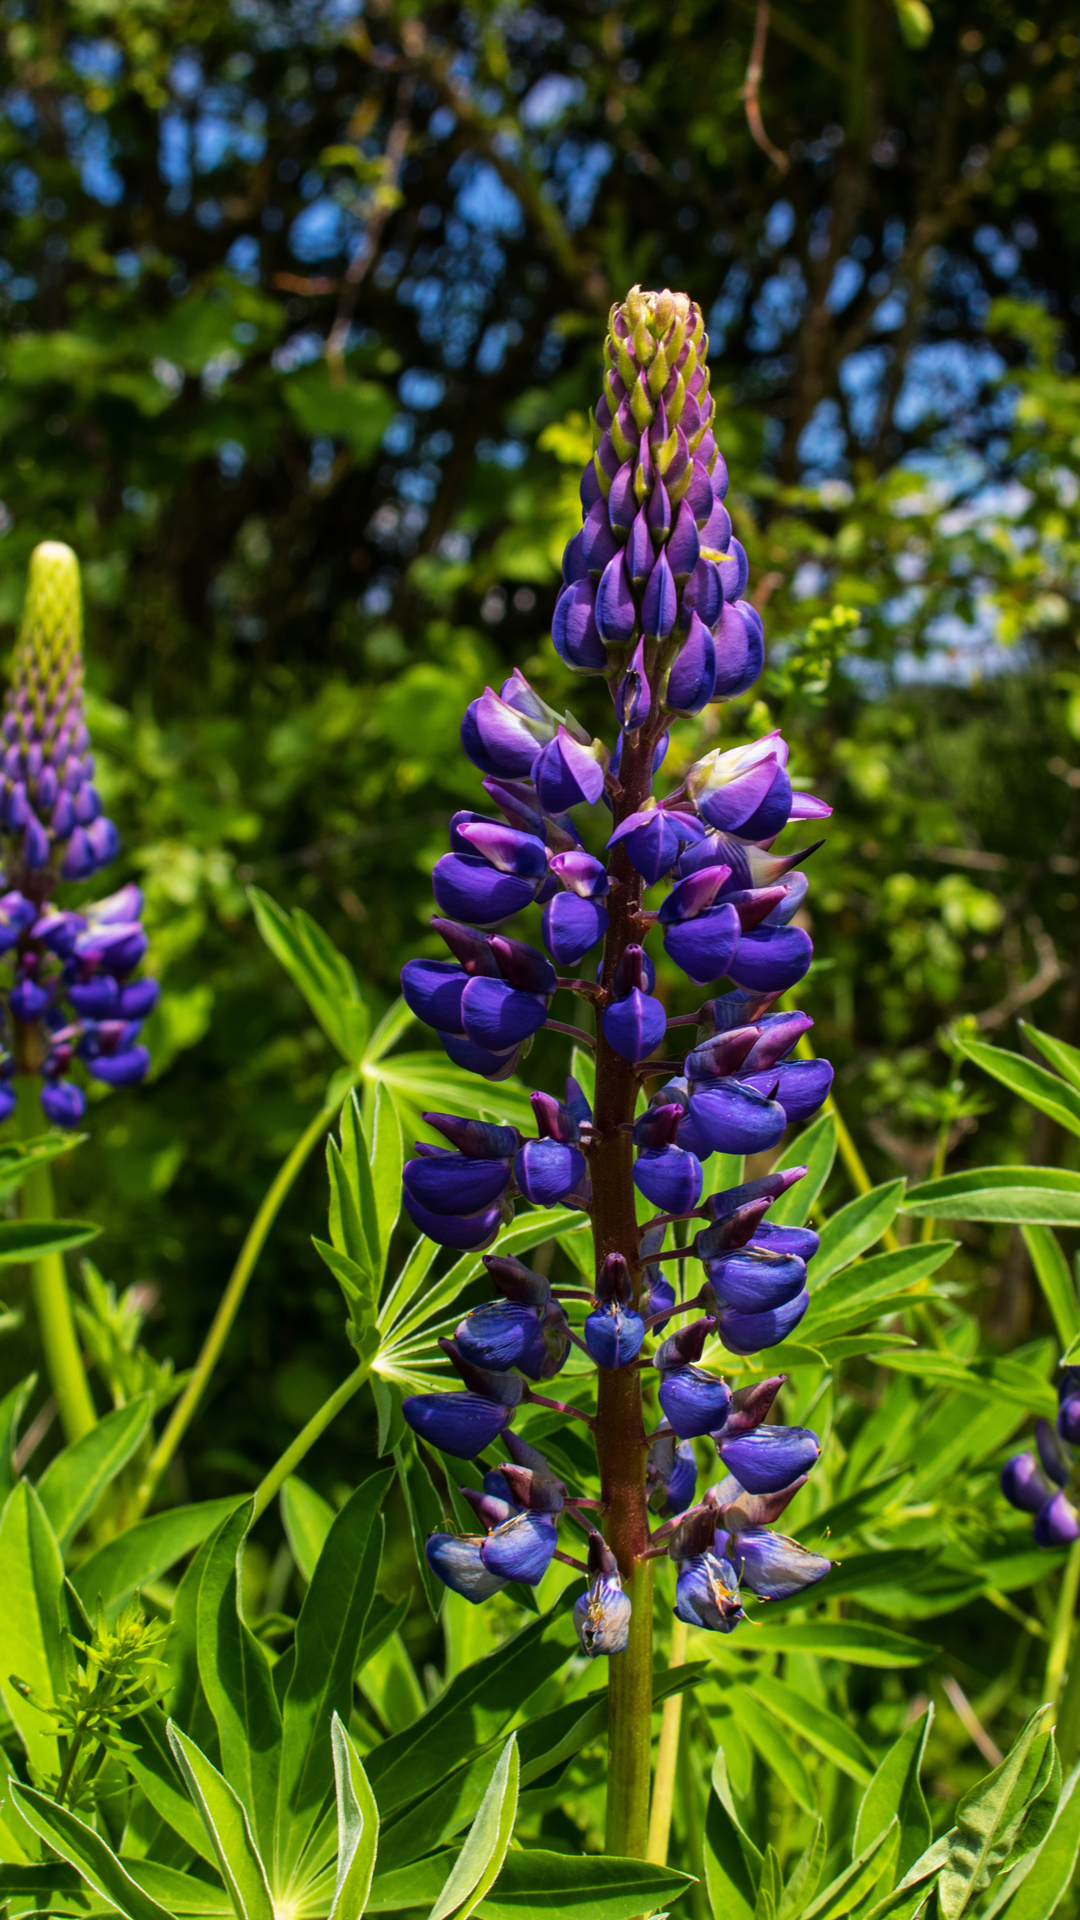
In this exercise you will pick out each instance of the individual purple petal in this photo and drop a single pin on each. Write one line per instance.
(622, 503)
(96, 999)
(522, 1548)
(500, 1335)
(716, 533)
(1055, 1456)
(772, 1566)
(497, 1017)
(571, 926)
(684, 546)
(473, 891)
(703, 594)
(734, 571)
(804, 1086)
(705, 947)
(104, 840)
(660, 601)
(1057, 1524)
(694, 1401)
(693, 895)
(740, 651)
(768, 1458)
(548, 1170)
(581, 873)
(670, 1178)
(574, 630)
(61, 1103)
(598, 543)
(707, 1593)
(613, 1334)
(753, 1332)
(802, 1241)
(480, 1139)
(732, 1118)
(1024, 1483)
(633, 696)
(122, 1069)
(766, 822)
(28, 1000)
(1068, 1420)
(79, 860)
(459, 1423)
(497, 737)
(692, 680)
(468, 1232)
(432, 990)
(639, 550)
(454, 1183)
(634, 1026)
(567, 774)
(522, 854)
(804, 806)
(754, 1279)
(616, 614)
(771, 959)
(573, 560)
(492, 1066)
(457, 1563)
(729, 786)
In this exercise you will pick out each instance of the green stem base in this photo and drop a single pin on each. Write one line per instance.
(48, 1284)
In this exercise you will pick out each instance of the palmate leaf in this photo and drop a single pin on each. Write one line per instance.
(528, 1230)
(430, 1080)
(896, 1792)
(33, 1575)
(1033, 1083)
(323, 975)
(147, 1551)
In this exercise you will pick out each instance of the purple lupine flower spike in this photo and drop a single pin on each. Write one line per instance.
(71, 994)
(652, 596)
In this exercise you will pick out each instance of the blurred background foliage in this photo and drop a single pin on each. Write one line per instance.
(302, 306)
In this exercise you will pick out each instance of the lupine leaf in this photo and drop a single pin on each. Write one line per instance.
(356, 1157)
(895, 1790)
(425, 1510)
(477, 1865)
(387, 1156)
(430, 1080)
(527, 1231)
(847, 1515)
(1035, 1887)
(559, 1886)
(33, 1573)
(395, 1021)
(906, 1900)
(901, 1267)
(358, 1828)
(844, 1894)
(18, 1156)
(179, 1893)
(12, 1407)
(22, 1240)
(990, 1815)
(770, 1886)
(894, 1567)
(817, 1725)
(471, 1712)
(855, 1641)
(991, 1380)
(1040, 1089)
(774, 1747)
(805, 1876)
(147, 1551)
(323, 975)
(732, 1861)
(307, 1519)
(75, 1479)
(346, 1226)
(328, 1635)
(1052, 1273)
(85, 1850)
(1059, 1053)
(228, 1829)
(236, 1678)
(1038, 1196)
(815, 1149)
(150, 1759)
(856, 1227)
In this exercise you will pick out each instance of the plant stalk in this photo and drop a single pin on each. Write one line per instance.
(619, 1430)
(48, 1283)
(229, 1304)
(306, 1439)
(1064, 1634)
(667, 1757)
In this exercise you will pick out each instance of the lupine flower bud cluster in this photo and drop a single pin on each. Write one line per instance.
(652, 598)
(1047, 1483)
(71, 994)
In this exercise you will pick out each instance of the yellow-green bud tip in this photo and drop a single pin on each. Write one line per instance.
(51, 629)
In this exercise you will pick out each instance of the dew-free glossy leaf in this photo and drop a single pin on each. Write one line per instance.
(1035, 1887)
(732, 1862)
(844, 1894)
(75, 1479)
(579, 1887)
(858, 1643)
(425, 1509)
(147, 1551)
(846, 1292)
(991, 1380)
(1057, 1283)
(528, 1230)
(323, 975)
(85, 1850)
(895, 1791)
(1033, 1083)
(358, 1828)
(1039, 1196)
(1059, 1053)
(387, 1156)
(831, 1736)
(150, 1760)
(228, 1830)
(990, 1815)
(33, 1576)
(307, 1519)
(855, 1228)
(236, 1678)
(427, 1080)
(477, 1865)
(31, 1239)
(12, 1407)
(775, 1749)
(328, 1635)
(815, 1149)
